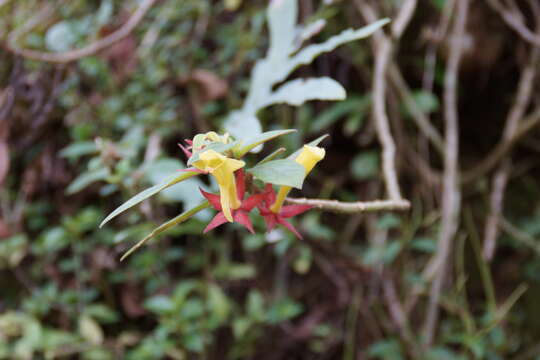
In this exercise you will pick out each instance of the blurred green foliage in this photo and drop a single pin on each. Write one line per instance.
(112, 131)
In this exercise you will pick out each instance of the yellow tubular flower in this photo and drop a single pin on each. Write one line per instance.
(308, 158)
(222, 168)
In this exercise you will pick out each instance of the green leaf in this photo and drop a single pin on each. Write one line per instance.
(253, 142)
(297, 92)
(386, 349)
(388, 221)
(272, 156)
(365, 165)
(90, 330)
(86, 179)
(186, 192)
(283, 310)
(167, 225)
(159, 304)
(79, 149)
(60, 37)
(284, 172)
(218, 303)
(426, 101)
(327, 118)
(232, 5)
(424, 244)
(143, 195)
(13, 250)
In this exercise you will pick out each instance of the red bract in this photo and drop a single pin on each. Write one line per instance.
(285, 212)
(186, 149)
(240, 215)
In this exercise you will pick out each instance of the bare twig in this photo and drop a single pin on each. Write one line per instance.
(382, 58)
(519, 235)
(353, 207)
(383, 55)
(500, 178)
(451, 197)
(398, 314)
(418, 116)
(403, 18)
(91, 49)
(502, 148)
(514, 20)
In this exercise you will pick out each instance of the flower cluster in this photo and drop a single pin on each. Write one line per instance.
(220, 156)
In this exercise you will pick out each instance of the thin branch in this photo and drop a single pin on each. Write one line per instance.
(403, 18)
(502, 148)
(418, 116)
(353, 207)
(383, 55)
(520, 235)
(513, 20)
(91, 49)
(382, 58)
(451, 196)
(500, 178)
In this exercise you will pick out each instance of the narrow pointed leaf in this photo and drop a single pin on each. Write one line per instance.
(167, 225)
(272, 156)
(259, 139)
(145, 194)
(284, 172)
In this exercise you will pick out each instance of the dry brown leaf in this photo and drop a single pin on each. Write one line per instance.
(4, 161)
(212, 86)
(131, 300)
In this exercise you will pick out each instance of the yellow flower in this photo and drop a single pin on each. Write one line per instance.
(201, 140)
(308, 158)
(222, 168)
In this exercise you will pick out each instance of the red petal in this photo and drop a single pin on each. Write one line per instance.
(269, 219)
(252, 201)
(240, 184)
(189, 142)
(289, 226)
(218, 220)
(242, 218)
(186, 151)
(293, 210)
(213, 199)
(270, 194)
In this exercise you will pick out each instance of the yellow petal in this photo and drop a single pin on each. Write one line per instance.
(222, 168)
(310, 156)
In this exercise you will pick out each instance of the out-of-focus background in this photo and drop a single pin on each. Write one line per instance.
(454, 277)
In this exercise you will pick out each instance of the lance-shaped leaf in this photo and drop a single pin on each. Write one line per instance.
(253, 142)
(315, 142)
(297, 92)
(165, 226)
(284, 172)
(272, 156)
(145, 194)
